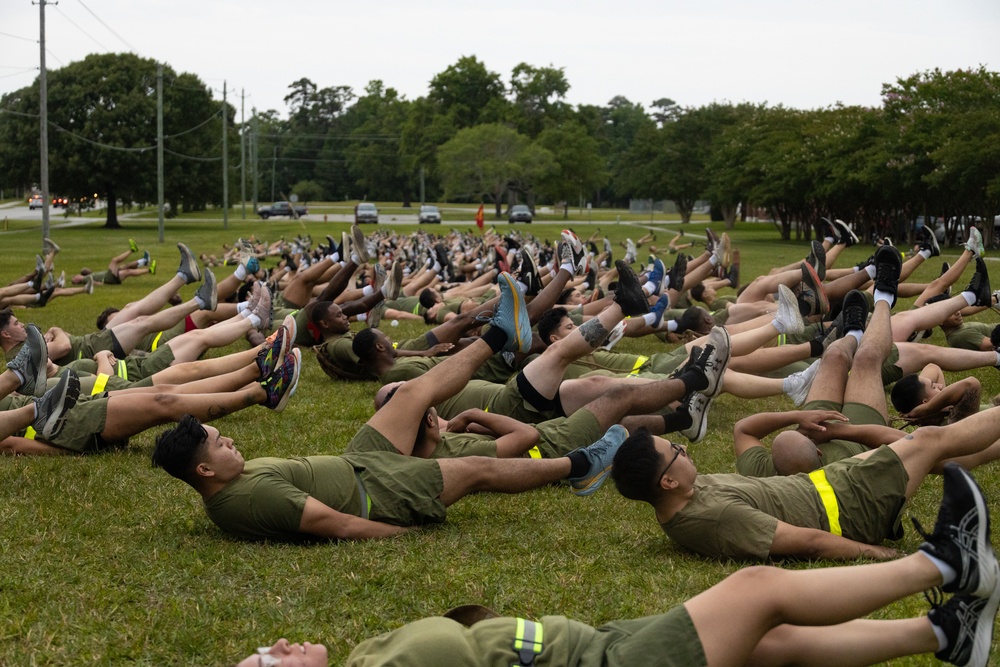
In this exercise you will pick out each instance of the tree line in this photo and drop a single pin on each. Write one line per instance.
(931, 149)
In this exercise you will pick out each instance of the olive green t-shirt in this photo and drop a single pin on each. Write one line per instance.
(266, 502)
(345, 364)
(409, 304)
(969, 336)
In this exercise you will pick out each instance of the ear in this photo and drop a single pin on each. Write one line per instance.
(203, 470)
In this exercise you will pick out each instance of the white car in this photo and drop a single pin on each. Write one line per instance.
(35, 202)
(430, 215)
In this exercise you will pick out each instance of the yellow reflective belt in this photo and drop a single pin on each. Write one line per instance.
(122, 370)
(99, 383)
(156, 342)
(29, 433)
(782, 340)
(416, 309)
(527, 642)
(535, 453)
(639, 363)
(829, 499)
(366, 500)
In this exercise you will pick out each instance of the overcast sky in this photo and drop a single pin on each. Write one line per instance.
(800, 54)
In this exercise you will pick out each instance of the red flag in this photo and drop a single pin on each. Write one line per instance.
(480, 220)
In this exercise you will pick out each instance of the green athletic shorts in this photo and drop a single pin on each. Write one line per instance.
(562, 435)
(82, 431)
(401, 490)
(891, 372)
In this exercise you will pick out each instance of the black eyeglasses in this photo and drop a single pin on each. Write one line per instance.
(678, 450)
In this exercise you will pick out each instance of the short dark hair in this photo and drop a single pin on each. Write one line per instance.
(427, 297)
(694, 319)
(5, 317)
(549, 322)
(180, 449)
(635, 466)
(565, 294)
(907, 393)
(317, 311)
(364, 345)
(102, 319)
(698, 291)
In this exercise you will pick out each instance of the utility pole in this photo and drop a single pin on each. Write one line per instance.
(43, 91)
(421, 185)
(243, 158)
(254, 173)
(225, 159)
(274, 168)
(159, 147)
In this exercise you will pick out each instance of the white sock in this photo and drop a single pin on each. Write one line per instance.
(20, 376)
(242, 306)
(240, 272)
(969, 297)
(334, 257)
(997, 364)
(883, 296)
(182, 276)
(362, 317)
(254, 319)
(779, 325)
(567, 267)
(947, 571)
(926, 254)
(437, 267)
(672, 325)
(201, 302)
(713, 260)
(857, 333)
(141, 262)
(830, 239)
(649, 318)
(941, 637)
(650, 287)
(367, 290)
(870, 270)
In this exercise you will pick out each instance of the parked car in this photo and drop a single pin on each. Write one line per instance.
(519, 213)
(280, 208)
(60, 202)
(366, 212)
(35, 202)
(429, 214)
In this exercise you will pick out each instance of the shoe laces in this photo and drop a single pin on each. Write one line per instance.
(934, 597)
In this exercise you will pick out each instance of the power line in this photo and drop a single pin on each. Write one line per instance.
(192, 157)
(27, 39)
(201, 124)
(26, 69)
(123, 40)
(80, 29)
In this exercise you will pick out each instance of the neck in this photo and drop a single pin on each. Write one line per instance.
(671, 502)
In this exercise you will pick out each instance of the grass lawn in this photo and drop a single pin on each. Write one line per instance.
(107, 561)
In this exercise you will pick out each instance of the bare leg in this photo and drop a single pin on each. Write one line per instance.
(130, 414)
(477, 474)
(193, 344)
(151, 303)
(189, 371)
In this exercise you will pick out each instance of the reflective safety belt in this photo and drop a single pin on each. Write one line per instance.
(121, 370)
(782, 340)
(99, 384)
(416, 309)
(30, 433)
(156, 342)
(639, 363)
(366, 501)
(527, 642)
(828, 498)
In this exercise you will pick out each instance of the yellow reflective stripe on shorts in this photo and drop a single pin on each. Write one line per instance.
(366, 500)
(416, 309)
(156, 342)
(535, 452)
(121, 370)
(639, 363)
(782, 340)
(828, 498)
(29, 433)
(528, 640)
(100, 383)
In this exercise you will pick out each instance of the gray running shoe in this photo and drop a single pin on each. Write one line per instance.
(207, 292)
(511, 315)
(50, 246)
(188, 266)
(359, 244)
(51, 408)
(975, 242)
(714, 360)
(797, 385)
(601, 454)
(30, 362)
(788, 311)
(967, 622)
(697, 405)
(395, 281)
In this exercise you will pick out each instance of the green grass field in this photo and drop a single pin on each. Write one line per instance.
(105, 560)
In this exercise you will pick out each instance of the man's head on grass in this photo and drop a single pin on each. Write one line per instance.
(646, 467)
(197, 454)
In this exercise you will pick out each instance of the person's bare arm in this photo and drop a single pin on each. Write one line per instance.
(869, 435)
(27, 447)
(811, 543)
(748, 431)
(964, 391)
(513, 437)
(323, 521)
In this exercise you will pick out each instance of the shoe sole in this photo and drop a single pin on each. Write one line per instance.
(714, 389)
(522, 344)
(358, 243)
(984, 636)
(293, 385)
(188, 261)
(53, 426)
(593, 484)
(697, 434)
(792, 306)
(987, 565)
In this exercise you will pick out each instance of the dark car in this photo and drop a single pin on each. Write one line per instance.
(430, 215)
(281, 208)
(519, 213)
(60, 202)
(366, 212)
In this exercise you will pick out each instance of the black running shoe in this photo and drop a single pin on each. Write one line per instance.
(888, 264)
(629, 294)
(961, 536)
(678, 272)
(854, 311)
(980, 285)
(817, 259)
(967, 622)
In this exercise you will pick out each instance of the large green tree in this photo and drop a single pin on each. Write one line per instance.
(579, 167)
(486, 161)
(469, 93)
(102, 135)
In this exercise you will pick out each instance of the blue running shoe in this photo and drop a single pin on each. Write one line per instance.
(511, 315)
(601, 454)
(659, 307)
(656, 276)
